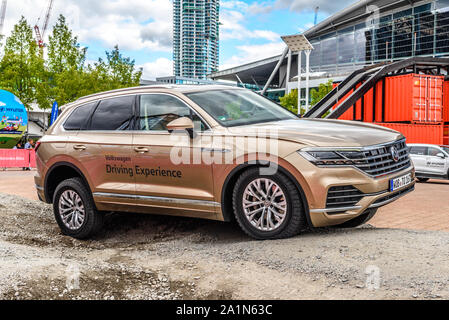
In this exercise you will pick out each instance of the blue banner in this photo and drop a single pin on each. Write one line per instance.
(54, 113)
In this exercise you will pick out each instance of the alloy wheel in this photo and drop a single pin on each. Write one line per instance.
(71, 210)
(264, 204)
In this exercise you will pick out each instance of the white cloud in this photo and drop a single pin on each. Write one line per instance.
(162, 67)
(326, 6)
(232, 25)
(251, 53)
(128, 23)
(306, 27)
(234, 4)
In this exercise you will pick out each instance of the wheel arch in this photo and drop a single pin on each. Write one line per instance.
(231, 179)
(59, 172)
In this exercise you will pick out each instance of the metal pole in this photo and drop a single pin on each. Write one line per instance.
(240, 80)
(307, 52)
(289, 66)
(299, 81)
(276, 69)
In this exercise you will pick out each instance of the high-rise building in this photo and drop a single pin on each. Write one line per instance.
(195, 37)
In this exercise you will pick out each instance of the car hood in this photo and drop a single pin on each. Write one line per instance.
(323, 132)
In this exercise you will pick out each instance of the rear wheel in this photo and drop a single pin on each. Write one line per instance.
(268, 207)
(360, 220)
(75, 210)
(423, 179)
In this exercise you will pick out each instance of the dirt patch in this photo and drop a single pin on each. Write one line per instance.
(107, 284)
(157, 257)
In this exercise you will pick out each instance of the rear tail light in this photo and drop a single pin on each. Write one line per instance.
(38, 144)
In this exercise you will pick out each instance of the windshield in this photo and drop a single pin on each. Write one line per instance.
(445, 149)
(239, 107)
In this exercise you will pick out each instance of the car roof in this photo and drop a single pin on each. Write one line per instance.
(150, 88)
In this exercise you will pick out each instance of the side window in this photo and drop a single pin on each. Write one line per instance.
(420, 151)
(113, 114)
(158, 110)
(79, 117)
(434, 151)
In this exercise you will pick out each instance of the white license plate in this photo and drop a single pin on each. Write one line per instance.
(400, 182)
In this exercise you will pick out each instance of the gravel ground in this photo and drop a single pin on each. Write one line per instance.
(152, 257)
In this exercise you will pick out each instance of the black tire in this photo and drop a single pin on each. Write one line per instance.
(423, 180)
(295, 220)
(358, 221)
(93, 220)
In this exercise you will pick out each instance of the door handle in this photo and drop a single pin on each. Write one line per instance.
(79, 147)
(141, 150)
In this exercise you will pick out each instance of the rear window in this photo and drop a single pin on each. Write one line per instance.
(79, 117)
(420, 151)
(113, 114)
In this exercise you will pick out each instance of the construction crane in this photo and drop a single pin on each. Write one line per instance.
(40, 33)
(2, 17)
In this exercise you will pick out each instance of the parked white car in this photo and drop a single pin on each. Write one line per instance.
(431, 161)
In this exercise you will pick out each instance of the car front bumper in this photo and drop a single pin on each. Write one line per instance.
(316, 183)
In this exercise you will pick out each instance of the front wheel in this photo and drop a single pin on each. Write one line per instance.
(268, 206)
(75, 211)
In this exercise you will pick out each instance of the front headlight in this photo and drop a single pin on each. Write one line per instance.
(330, 158)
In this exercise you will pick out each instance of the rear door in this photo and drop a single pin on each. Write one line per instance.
(104, 151)
(419, 158)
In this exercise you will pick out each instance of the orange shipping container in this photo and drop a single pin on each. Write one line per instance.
(418, 133)
(446, 101)
(364, 106)
(446, 135)
(414, 98)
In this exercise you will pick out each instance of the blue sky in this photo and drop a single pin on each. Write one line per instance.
(250, 29)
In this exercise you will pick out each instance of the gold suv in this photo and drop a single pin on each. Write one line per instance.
(218, 153)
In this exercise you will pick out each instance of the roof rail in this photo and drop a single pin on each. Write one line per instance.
(156, 86)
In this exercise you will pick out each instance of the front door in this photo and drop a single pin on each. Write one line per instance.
(168, 180)
(436, 165)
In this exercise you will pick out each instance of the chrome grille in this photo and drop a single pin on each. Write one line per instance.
(378, 161)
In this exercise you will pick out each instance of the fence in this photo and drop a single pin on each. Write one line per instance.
(17, 158)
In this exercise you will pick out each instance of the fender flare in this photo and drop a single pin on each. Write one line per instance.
(56, 166)
(228, 216)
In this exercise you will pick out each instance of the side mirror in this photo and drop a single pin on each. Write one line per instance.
(182, 124)
(441, 155)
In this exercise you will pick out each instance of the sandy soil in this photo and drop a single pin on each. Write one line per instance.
(152, 257)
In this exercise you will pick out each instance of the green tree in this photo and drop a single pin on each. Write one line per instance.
(290, 101)
(65, 64)
(21, 64)
(323, 89)
(121, 70)
(64, 75)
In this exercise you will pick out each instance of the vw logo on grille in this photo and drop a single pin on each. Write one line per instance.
(394, 153)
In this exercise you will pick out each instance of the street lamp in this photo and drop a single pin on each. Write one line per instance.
(298, 44)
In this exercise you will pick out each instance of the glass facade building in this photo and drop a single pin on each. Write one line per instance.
(421, 29)
(195, 37)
